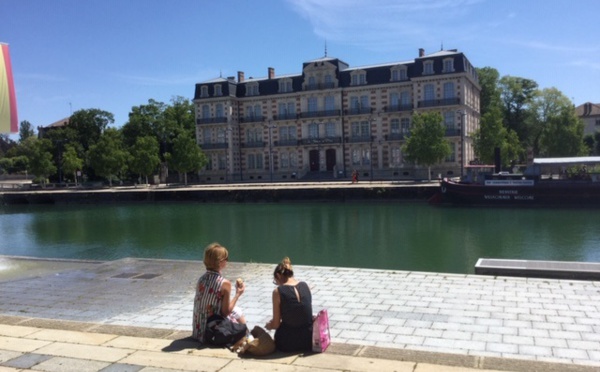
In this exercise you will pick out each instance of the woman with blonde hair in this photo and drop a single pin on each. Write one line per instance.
(292, 310)
(213, 292)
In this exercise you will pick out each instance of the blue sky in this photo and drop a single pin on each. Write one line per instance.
(114, 54)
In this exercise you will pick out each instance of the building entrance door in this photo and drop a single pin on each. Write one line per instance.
(330, 159)
(313, 157)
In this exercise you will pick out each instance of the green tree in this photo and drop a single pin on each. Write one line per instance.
(144, 156)
(187, 155)
(144, 120)
(491, 135)
(25, 130)
(107, 157)
(89, 125)
(517, 94)
(40, 158)
(489, 79)
(427, 144)
(563, 135)
(553, 115)
(71, 162)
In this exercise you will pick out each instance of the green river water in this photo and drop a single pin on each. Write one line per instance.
(395, 235)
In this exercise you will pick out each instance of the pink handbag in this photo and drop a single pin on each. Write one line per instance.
(321, 336)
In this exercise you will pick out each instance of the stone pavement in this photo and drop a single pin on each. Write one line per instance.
(73, 312)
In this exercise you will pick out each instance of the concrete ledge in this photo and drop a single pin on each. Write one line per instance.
(471, 362)
(538, 269)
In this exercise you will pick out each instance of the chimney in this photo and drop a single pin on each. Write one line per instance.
(240, 76)
(421, 52)
(271, 73)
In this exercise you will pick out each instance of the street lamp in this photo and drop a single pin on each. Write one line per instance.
(463, 115)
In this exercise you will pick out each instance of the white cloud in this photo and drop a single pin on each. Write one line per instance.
(384, 24)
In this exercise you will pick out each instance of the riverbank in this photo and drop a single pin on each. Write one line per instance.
(241, 193)
(379, 319)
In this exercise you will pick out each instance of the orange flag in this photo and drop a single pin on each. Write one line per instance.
(8, 99)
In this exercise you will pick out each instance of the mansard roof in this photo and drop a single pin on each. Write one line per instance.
(376, 74)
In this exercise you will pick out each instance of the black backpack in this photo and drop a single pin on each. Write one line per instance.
(223, 332)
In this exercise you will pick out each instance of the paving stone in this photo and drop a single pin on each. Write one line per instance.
(60, 364)
(26, 361)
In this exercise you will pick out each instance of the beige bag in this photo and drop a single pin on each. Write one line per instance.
(263, 344)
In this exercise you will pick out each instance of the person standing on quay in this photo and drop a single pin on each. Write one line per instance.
(213, 292)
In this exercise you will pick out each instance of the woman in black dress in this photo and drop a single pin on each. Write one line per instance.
(292, 311)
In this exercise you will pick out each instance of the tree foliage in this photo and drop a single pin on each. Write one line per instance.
(187, 155)
(89, 124)
(108, 156)
(40, 159)
(493, 134)
(25, 130)
(144, 156)
(427, 144)
(71, 162)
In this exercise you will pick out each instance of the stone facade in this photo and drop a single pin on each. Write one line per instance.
(332, 119)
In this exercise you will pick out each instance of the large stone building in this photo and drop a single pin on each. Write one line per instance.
(332, 119)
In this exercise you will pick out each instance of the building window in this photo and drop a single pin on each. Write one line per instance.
(218, 90)
(394, 100)
(209, 163)
(329, 130)
(285, 86)
(222, 161)
(597, 121)
(219, 110)
(312, 82)
(428, 68)
(361, 129)
(252, 89)
(204, 91)
(429, 92)
(287, 133)
(285, 160)
(312, 104)
(359, 78)
(328, 81)
(405, 126)
(395, 127)
(452, 157)
(449, 65)
(293, 160)
(355, 157)
(366, 156)
(449, 120)
(396, 158)
(448, 90)
(253, 135)
(221, 138)
(405, 98)
(313, 130)
(329, 103)
(207, 136)
(255, 161)
(399, 73)
(205, 111)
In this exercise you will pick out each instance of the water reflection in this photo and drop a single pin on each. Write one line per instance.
(388, 236)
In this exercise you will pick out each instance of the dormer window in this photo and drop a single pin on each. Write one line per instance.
(428, 68)
(204, 91)
(399, 73)
(449, 65)
(218, 91)
(252, 89)
(285, 86)
(359, 78)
